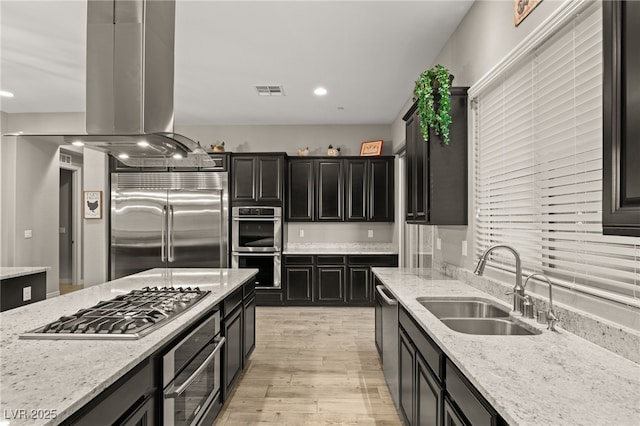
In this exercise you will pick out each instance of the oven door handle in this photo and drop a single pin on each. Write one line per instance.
(174, 393)
(257, 253)
(256, 219)
(380, 290)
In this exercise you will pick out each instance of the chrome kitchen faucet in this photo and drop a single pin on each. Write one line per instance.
(551, 316)
(518, 289)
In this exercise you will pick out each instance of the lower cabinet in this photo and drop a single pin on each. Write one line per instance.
(14, 291)
(432, 389)
(233, 355)
(144, 415)
(249, 326)
(331, 279)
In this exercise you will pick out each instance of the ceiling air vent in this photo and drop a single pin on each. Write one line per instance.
(270, 90)
(64, 158)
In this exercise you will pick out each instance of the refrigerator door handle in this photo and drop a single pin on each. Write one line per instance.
(163, 255)
(170, 236)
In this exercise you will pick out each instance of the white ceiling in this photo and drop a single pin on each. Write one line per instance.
(366, 53)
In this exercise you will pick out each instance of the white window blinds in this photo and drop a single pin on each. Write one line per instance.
(538, 165)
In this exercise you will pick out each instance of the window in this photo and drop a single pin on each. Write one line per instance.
(538, 164)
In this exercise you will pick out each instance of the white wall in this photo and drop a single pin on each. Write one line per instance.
(95, 243)
(290, 138)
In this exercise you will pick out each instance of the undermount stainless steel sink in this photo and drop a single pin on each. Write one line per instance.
(463, 308)
(475, 316)
(488, 326)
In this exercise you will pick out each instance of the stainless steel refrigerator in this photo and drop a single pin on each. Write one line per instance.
(168, 219)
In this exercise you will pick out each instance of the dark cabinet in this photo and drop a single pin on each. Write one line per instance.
(300, 205)
(144, 415)
(369, 190)
(13, 290)
(332, 279)
(257, 179)
(249, 343)
(298, 279)
(436, 174)
(360, 288)
(233, 355)
(340, 189)
(432, 390)
(329, 190)
(621, 127)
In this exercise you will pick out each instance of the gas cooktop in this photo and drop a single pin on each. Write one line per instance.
(129, 316)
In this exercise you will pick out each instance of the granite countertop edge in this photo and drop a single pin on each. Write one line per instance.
(34, 371)
(550, 378)
(7, 272)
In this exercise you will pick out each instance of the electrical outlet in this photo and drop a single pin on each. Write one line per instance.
(438, 244)
(464, 248)
(301, 233)
(26, 294)
(370, 233)
(28, 233)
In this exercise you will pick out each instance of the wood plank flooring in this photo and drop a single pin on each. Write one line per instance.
(312, 366)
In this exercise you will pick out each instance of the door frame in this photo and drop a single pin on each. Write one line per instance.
(76, 227)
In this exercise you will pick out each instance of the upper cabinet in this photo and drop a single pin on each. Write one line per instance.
(621, 127)
(340, 189)
(257, 179)
(437, 173)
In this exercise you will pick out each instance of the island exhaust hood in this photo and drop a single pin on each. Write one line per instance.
(130, 81)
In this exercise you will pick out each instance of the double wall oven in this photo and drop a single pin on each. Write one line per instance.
(256, 242)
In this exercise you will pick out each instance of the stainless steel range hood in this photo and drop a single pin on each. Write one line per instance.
(130, 81)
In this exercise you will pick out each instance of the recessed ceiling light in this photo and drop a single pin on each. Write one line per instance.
(6, 94)
(123, 156)
(320, 91)
(77, 143)
(143, 144)
(177, 156)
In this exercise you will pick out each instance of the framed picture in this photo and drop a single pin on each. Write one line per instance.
(522, 8)
(92, 202)
(371, 148)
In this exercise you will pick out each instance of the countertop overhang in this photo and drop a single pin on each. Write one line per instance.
(64, 375)
(7, 272)
(554, 378)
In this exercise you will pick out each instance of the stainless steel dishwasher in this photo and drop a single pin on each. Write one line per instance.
(387, 309)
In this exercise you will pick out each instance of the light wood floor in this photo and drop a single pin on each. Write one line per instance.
(69, 288)
(312, 366)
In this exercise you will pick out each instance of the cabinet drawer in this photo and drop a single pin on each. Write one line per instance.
(331, 260)
(298, 260)
(467, 400)
(427, 348)
(248, 290)
(374, 260)
(231, 301)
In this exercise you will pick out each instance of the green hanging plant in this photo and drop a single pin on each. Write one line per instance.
(439, 120)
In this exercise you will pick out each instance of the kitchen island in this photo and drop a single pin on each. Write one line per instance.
(46, 381)
(22, 285)
(550, 378)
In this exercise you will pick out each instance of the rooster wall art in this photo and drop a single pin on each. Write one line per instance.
(92, 204)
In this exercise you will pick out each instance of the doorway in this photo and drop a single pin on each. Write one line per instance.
(70, 228)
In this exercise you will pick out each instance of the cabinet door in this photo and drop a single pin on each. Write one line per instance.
(406, 362)
(360, 289)
(357, 197)
(243, 170)
(330, 284)
(380, 189)
(233, 354)
(429, 396)
(621, 127)
(451, 416)
(299, 283)
(249, 327)
(416, 200)
(144, 415)
(329, 190)
(300, 190)
(446, 168)
(269, 178)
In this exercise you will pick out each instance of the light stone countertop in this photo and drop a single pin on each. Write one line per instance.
(64, 375)
(340, 248)
(546, 379)
(18, 271)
